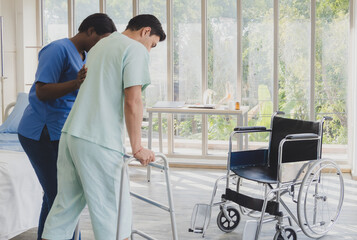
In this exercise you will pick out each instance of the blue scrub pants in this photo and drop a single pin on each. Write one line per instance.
(43, 157)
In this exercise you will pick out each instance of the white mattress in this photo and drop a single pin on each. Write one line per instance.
(20, 194)
(10, 141)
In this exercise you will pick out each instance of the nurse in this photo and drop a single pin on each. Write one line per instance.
(60, 73)
(91, 148)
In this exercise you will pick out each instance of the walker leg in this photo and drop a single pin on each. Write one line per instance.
(76, 232)
(170, 209)
(148, 173)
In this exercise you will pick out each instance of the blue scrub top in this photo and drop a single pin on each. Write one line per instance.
(59, 62)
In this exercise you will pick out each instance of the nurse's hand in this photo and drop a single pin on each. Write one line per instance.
(145, 156)
(81, 75)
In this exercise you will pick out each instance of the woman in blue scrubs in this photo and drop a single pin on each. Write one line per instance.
(59, 75)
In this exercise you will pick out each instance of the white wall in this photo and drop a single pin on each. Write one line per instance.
(352, 91)
(27, 43)
(9, 43)
(20, 32)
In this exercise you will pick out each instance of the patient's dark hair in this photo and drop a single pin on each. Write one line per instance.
(101, 22)
(147, 20)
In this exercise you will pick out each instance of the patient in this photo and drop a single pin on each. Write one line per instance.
(91, 148)
(59, 75)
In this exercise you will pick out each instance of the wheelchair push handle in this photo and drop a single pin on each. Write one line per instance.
(303, 136)
(246, 129)
(327, 118)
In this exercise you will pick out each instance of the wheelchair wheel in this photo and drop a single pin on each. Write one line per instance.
(320, 198)
(290, 234)
(224, 224)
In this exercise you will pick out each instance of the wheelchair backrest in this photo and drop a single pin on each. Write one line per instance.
(293, 151)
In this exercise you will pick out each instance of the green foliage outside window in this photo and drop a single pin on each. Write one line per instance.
(330, 69)
(331, 59)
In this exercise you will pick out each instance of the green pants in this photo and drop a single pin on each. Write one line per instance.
(88, 174)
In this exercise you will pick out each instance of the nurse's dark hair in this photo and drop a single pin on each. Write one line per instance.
(101, 23)
(147, 20)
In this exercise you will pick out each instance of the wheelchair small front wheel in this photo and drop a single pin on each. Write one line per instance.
(224, 224)
(289, 233)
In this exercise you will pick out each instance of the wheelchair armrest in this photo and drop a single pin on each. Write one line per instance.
(302, 136)
(251, 129)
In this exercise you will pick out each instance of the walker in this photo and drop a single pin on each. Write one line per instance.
(164, 167)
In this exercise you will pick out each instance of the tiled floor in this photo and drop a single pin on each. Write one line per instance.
(191, 186)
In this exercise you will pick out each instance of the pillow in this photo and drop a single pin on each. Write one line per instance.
(12, 122)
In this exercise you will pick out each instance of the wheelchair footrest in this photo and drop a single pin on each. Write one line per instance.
(252, 203)
(250, 230)
(200, 218)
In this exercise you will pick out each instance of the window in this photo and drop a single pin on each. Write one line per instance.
(222, 68)
(308, 56)
(332, 32)
(55, 20)
(257, 60)
(84, 8)
(294, 58)
(187, 51)
(222, 48)
(121, 11)
(187, 72)
(157, 90)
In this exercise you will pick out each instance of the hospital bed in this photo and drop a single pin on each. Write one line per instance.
(20, 191)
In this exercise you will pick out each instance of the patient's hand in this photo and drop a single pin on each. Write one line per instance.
(145, 156)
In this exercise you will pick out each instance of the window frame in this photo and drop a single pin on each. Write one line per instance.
(352, 59)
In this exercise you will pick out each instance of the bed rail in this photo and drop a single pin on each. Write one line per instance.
(7, 110)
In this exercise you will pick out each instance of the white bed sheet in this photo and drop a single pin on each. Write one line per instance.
(10, 141)
(20, 194)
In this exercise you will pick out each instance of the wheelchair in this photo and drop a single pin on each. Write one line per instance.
(291, 167)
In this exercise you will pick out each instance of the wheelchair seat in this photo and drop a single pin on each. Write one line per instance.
(261, 174)
(263, 165)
